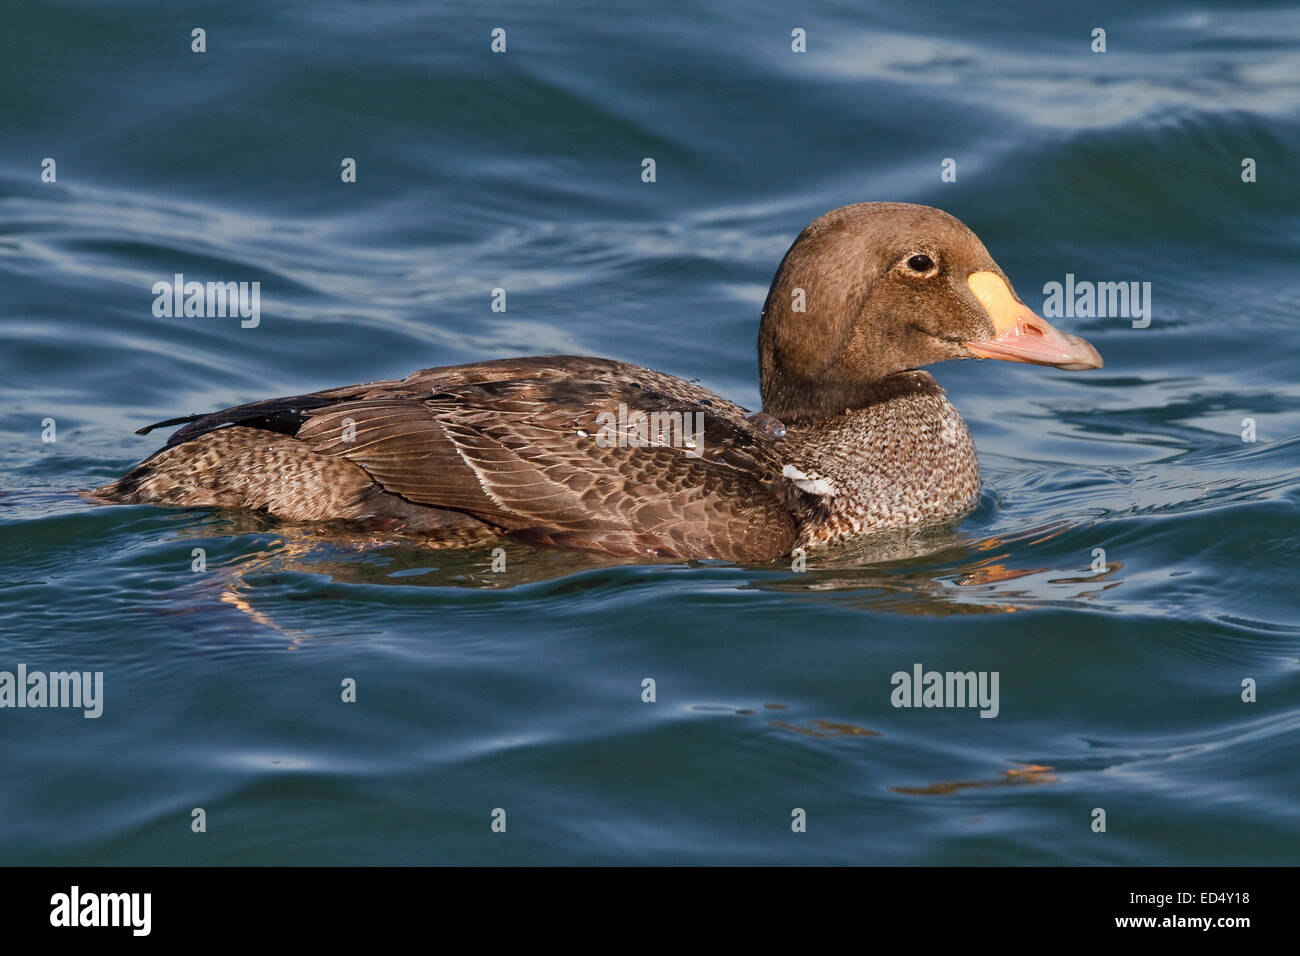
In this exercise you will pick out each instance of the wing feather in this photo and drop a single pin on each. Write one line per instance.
(519, 444)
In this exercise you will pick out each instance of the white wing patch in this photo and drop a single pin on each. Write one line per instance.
(814, 486)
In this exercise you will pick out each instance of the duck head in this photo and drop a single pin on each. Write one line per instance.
(874, 289)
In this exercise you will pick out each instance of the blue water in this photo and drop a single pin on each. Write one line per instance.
(1119, 689)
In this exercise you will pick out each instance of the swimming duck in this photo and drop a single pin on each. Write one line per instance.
(602, 456)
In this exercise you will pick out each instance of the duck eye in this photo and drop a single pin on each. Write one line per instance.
(920, 263)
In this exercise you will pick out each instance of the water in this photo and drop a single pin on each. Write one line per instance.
(522, 691)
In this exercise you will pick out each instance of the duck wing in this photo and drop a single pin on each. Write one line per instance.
(547, 450)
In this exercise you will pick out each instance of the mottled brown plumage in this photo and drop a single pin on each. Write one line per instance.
(852, 439)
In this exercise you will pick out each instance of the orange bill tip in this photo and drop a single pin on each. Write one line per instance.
(1022, 336)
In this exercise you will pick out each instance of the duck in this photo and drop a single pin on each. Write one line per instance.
(601, 456)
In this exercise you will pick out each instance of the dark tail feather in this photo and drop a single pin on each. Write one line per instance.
(167, 424)
(282, 415)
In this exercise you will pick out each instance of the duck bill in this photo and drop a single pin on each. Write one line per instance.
(1022, 336)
